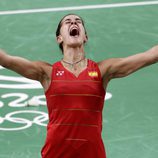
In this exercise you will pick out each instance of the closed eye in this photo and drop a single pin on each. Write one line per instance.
(78, 21)
(67, 22)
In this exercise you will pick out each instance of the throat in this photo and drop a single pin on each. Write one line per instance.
(73, 63)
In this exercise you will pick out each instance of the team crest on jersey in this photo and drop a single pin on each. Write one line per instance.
(59, 73)
(93, 73)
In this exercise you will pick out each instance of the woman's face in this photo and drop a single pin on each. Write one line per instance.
(72, 32)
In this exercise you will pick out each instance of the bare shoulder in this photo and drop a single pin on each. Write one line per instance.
(42, 64)
(45, 67)
(105, 65)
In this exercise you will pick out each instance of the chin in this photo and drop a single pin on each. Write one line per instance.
(75, 43)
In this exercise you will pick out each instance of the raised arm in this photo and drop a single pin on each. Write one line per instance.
(33, 70)
(121, 67)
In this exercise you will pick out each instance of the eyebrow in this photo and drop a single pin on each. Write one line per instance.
(70, 19)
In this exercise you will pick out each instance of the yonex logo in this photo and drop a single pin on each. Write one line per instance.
(59, 73)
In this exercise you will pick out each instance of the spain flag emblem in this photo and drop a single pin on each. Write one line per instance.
(93, 73)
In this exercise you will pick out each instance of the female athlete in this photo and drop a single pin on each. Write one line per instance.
(75, 88)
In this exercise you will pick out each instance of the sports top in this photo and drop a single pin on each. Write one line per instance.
(75, 107)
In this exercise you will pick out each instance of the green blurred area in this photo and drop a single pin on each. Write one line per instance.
(130, 117)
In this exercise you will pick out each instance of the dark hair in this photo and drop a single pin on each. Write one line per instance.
(59, 27)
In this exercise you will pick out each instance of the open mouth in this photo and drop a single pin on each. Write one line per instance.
(74, 32)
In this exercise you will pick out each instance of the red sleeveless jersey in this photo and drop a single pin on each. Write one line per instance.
(75, 114)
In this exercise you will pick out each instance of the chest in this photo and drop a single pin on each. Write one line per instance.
(65, 82)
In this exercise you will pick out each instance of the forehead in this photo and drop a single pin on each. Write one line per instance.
(71, 17)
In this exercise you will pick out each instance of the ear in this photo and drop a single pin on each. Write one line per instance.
(59, 39)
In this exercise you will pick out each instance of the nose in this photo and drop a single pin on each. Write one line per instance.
(73, 22)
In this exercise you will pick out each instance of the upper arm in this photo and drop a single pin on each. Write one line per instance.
(121, 67)
(30, 69)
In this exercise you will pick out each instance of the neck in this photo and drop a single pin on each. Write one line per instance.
(73, 54)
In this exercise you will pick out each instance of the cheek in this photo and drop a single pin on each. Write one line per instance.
(83, 35)
(64, 30)
(83, 31)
